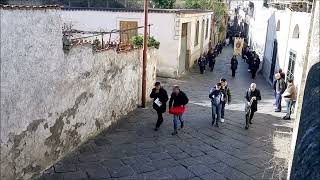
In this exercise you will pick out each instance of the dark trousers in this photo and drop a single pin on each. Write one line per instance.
(211, 66)
(160, 119)
(233, 72)
(253, 73)
(201, 69)
(223, 105)
(278, 101)
(249, 116)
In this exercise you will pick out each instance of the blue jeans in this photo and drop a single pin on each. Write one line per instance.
(175, 121)
(223, 105)
(290, 103)
(216, 112)
(278, 101)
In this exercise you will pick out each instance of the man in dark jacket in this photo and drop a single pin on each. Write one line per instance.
(202, 63)
(211, 59)
(252, 97)
(280, 88)
(234, 65)
(216, 97)
(255, 66)
(160, 98)
(178, 99)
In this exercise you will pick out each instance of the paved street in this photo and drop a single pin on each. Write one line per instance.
(132, 150)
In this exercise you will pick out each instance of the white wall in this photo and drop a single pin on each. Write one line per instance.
(166, 28)
(288, 20)
(52, 101)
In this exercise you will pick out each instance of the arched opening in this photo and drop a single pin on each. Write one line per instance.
(278, 25)
(296, 32)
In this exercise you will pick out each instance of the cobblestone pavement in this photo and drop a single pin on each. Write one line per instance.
(132, 150)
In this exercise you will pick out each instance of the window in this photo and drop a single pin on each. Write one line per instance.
(295, 33)
(128, 30)
(196, 40)
(278, 25)
(292, 61)
(207, 29)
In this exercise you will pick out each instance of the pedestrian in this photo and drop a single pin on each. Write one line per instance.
(202, 63)
(220, 47)
(234, 65)
(178, 101)
(211, 59)
(226, 96)
(283, 76)
(249, 60)
(290, 96)
(160, 98)
(227, 41)
(254, 67)
(280, 88)
(252, 97)
(216, 97)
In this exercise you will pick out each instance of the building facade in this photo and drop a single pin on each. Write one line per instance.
(183, 34)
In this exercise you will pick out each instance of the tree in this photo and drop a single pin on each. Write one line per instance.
(163, 4)
(199, 4)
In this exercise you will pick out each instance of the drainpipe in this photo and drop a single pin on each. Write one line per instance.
(144, 63)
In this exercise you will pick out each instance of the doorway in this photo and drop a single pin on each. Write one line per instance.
(274, 60)
(183, 59)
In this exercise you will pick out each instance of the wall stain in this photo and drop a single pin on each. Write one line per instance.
(54, 140)
(17, 139)
(85, 75)
(45, 126)
(109, 75)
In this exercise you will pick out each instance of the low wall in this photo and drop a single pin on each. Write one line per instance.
(52, 101)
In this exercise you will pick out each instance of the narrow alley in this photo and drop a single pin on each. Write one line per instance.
(133, 150)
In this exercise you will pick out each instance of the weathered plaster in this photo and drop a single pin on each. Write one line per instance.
(52, 101)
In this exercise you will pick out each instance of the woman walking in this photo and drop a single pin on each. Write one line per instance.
(177, 103)
(234, 65)
(160, 98)
(290, 96)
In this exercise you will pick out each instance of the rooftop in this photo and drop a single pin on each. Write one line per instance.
(178, 11)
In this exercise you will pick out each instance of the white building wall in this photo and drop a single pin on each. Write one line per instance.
(166, 28)
(298, 45)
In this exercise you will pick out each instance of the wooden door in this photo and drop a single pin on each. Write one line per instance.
(128, 30)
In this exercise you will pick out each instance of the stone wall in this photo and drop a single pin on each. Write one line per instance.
(51, 101)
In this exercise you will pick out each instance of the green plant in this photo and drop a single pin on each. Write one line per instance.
(137, 42)
(163, 4)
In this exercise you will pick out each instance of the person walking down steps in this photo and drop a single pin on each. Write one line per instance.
(202, 63)
(160, 98)
(216, 97)
(234, 65)
(177, 103)
(252, 97)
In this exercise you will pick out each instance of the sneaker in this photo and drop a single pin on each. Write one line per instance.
(222, 120)
(156, 129)
(181, 126)
(217, 125)
(250, 122)
(246, 127)
(212, 123)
